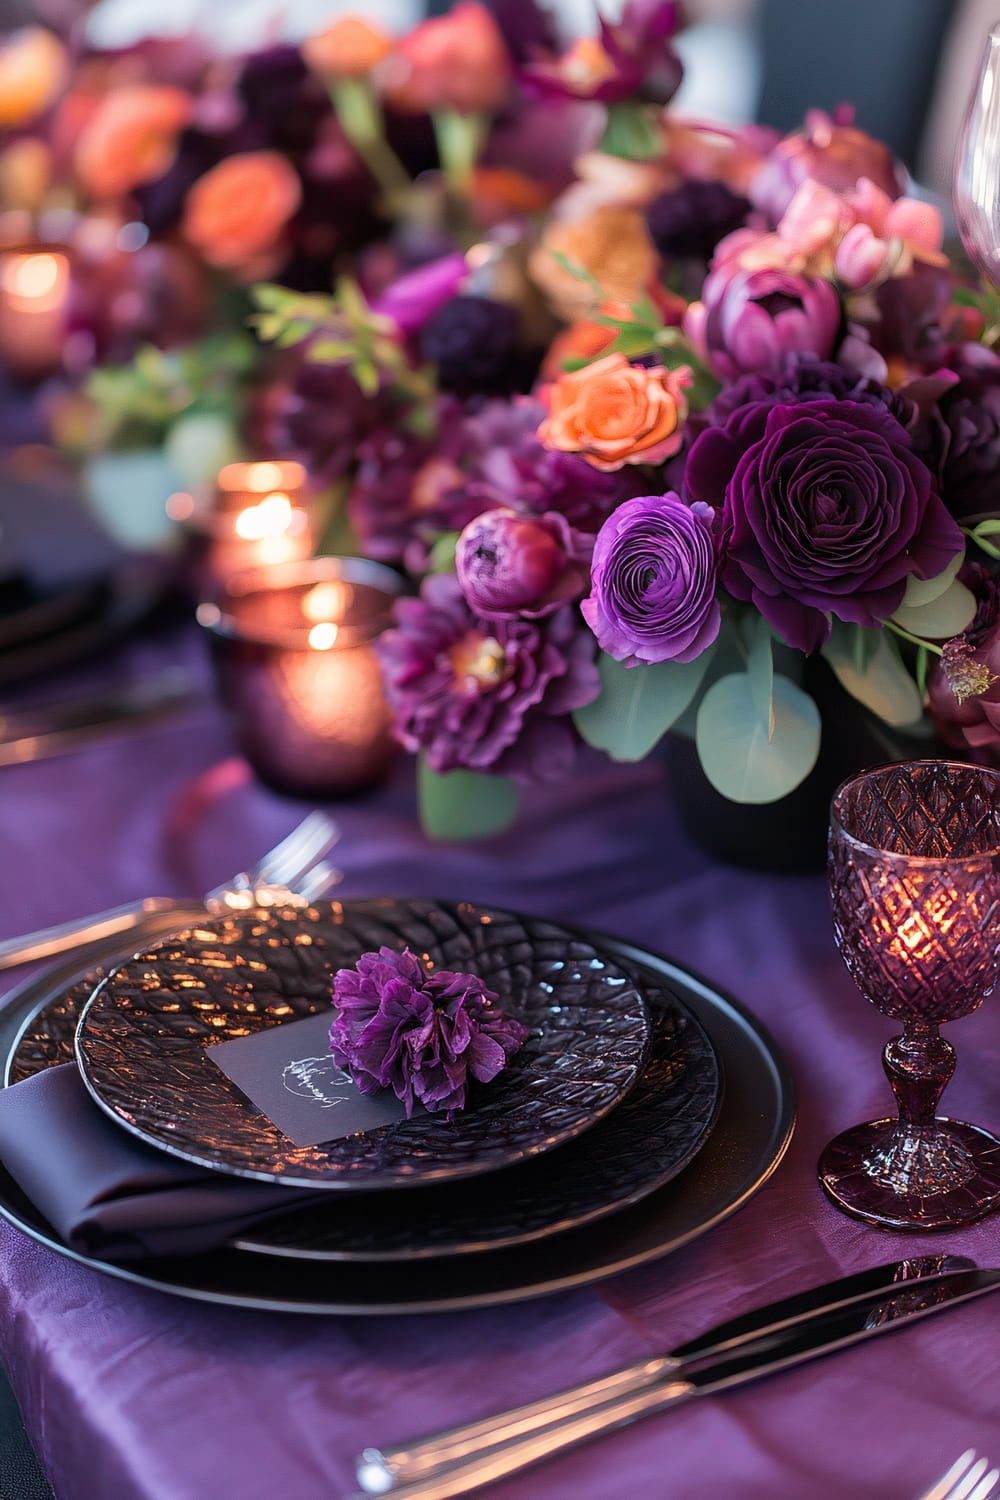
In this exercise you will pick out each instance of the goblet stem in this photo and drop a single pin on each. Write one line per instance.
(919, 1154)
(919, 1066)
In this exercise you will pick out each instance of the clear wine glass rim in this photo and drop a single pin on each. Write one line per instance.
(983, 856)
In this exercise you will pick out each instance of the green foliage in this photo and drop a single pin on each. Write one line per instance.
(637, 705)
(868, 665)
(740, 758)
(948, 614)
(464, 804)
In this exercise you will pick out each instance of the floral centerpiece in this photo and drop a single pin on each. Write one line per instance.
(655, 414)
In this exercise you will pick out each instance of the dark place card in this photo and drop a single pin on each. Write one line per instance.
(289, 1074)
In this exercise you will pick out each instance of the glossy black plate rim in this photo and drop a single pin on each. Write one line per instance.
(444, 1168)
(750, 1139)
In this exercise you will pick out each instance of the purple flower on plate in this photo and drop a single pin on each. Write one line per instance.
(512, 565)
(424, 1035)
(653, 582)
(487, 695)
(829, 513)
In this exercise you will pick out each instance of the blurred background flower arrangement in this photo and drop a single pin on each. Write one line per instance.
(658, 418)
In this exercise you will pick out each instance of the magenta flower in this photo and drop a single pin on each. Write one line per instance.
(511, 565)
(487, 695)
(829, 513)
(413, 299)
(425, 1036)
(748, 320)
(653, 582)
(629, 59)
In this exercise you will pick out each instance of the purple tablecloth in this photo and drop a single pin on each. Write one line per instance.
(133, 1395)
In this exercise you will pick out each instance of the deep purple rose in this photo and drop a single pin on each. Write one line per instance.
(829, 512)
(511, 565)
(748, 321)
(489, 695)
(422, 1035)
(653, 582)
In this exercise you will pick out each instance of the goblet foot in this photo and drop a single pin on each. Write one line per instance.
(916, 1177)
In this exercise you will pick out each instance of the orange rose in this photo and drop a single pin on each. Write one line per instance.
(236, 213)
(612, 244)
(583, 340)
(457, 61)
(33, 69)
(130, 138)
(350, 48)
(614, 413)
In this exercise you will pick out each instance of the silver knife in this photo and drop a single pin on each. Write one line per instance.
(381, 1469)
(710, 1373)
(56, 728)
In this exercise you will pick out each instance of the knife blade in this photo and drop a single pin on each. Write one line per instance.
(382, 1469)
(56, 728)
(809, 1338)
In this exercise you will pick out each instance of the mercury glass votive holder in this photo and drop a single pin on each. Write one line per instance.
(914, 872)
(256, 516)
(34, 308)
(293, 648)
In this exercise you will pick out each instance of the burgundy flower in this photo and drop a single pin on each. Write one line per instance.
(425, 1036)
(512, 565)
(971, 721)
(829, 512)
(653, 582)
(486, 695)
(630, 59)
(322, 419)
(831, 151)
(690, 220)
(749, 320)
(960, 435)
(473, 343)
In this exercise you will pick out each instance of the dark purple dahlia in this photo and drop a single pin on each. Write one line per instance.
(486, 695)
(473, 344)
(425, 1036)
(323, 418)
(689, 221)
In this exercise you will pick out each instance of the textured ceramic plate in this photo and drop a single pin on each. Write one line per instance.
(639, 1147)
(144, 1039)
(742, 1152)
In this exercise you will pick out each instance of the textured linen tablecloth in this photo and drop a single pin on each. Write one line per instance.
(129, 1394)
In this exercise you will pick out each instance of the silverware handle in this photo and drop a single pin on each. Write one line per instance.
(471, 1473)
(65, 935)
(382, 1469)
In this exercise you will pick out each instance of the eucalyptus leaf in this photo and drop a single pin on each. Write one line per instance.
(760, 668)
(637, 705)
(921, 591)
(464, 804)
(883, 684)
(989, 527)
(947, 615)
(735, 752)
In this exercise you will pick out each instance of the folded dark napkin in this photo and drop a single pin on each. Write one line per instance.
(108, 1194)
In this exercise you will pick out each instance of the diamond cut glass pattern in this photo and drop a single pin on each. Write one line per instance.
(914, 869)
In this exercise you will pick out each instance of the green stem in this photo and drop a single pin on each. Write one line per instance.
(360, 116)
(913, 639)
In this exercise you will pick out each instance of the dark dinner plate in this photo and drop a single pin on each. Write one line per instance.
(637, 1148)
(145, 1039)
(749, 1140)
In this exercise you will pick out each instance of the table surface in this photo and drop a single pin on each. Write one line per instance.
(129, 1394)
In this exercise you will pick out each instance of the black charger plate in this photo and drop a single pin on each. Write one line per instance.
(750, 1138)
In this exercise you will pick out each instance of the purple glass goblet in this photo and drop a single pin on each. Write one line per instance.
(914, 869)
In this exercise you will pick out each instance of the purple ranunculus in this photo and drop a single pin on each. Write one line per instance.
(748, 321)
(425, 1036)
(829, 512)
(653, 582)
(831, 151)
(511, 565)
(413, 299)
(487, 695)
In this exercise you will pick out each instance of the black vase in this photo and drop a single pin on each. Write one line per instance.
(787, 836)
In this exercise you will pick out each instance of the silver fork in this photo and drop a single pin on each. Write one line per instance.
(967, 1479)
(298, 863)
